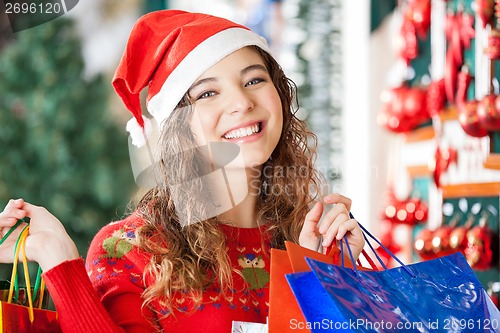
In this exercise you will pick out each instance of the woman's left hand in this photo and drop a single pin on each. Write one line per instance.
(332, 227)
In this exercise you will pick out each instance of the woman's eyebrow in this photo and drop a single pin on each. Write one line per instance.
(254, 67)
(201, 81)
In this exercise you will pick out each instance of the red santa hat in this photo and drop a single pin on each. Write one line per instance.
(167, 51)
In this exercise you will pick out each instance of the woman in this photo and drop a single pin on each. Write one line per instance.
(194, 255)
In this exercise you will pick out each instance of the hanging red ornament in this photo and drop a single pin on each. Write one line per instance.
(467, 110)
(419, 14)
(415, 106)
(458, 237)
(484, 9)
(441, 162)
(450, 77)
(408, 43)
(404, 108)
(441, 237)
(436, 98)
(488, 112)
(409, 211)
(459, 31)
(492, 51)
(479, 252)
(423, 244)
(421, 211)
(467, 32)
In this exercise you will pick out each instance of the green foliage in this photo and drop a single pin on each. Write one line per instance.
(60, 147)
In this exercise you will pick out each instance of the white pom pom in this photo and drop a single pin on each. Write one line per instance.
(138, 134)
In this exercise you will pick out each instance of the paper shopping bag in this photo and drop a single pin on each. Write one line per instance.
(440, 295)
(16, 319)
(285, 314)
(20, 318)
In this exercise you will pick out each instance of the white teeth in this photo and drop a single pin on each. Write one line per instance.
(242, 132)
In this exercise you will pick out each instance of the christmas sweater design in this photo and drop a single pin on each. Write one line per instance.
(114, 261)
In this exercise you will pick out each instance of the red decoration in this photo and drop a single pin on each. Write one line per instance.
(484, 9)
(441, 162)
(408, 47)
(458, 239)
(493, 49)
(423, 244)
(441, 237)
(436, 98)
(410, 211)
(404, 109)
(478, 251)
(416, 20)
(441, 240)
(459, 32)
(419, 14)
(488, 112)
(467, 110)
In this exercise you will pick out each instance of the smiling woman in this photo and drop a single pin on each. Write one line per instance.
(211, 83)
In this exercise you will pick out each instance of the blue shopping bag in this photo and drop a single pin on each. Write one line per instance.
(440, 295)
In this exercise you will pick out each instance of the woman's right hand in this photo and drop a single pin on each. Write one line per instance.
(47, 242)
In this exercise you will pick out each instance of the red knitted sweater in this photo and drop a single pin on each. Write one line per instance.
(105, 295)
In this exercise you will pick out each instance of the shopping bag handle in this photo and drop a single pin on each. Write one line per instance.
(14, 227)
(366, 232)
(39, 283)
(21, 247)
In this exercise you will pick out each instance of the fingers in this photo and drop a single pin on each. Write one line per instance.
(337, 228)
(12, 212)
(335, 198)
(312, 219)
(336, 211)
(30, 209)
(309, 235)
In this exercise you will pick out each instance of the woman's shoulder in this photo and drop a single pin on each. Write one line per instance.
(116, 239)
(127, 225)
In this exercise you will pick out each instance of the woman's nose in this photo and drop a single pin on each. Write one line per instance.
(239, 101)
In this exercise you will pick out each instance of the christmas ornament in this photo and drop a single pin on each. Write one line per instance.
(436, 97)
(459, 32)
(458, 236)
(404, 108)
(441, 237)
(419, 14)
(408, 44)
(492, 51)
(441, 162)
(488, 112)
(484, 9)
(479, 252)
(423, 244)
(409, 211)
(467, 110)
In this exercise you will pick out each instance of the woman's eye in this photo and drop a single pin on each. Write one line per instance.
(205, 94)
(254, 81)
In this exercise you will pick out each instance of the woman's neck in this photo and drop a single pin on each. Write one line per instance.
(244, 214)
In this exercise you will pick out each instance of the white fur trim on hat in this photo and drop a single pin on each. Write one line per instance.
(138, 134)
(199, 60)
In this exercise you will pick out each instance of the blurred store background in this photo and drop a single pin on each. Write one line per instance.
(378, 83)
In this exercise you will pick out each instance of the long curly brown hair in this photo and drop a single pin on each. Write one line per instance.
(192, 256)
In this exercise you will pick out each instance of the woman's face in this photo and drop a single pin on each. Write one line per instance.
(236, 101)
